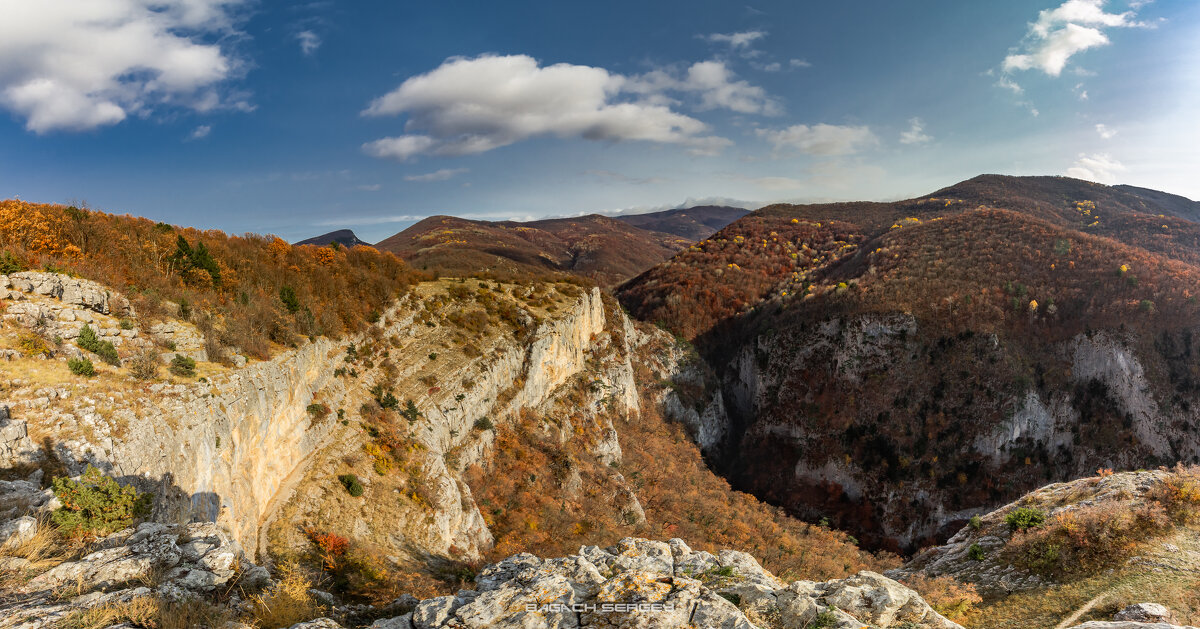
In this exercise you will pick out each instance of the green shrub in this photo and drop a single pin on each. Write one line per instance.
(410, 411)
(317, 410)
(287, 295)
(96, 505)
(975, 523)
(352, 485)
(824, 620)
(1025, 518)
(975, 553)
(81, 367)
(104, 349)
(126, 324)
(484, 423)
(183, 366)
(9, 264)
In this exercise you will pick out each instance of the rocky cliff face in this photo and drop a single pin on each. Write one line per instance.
(232, 448)
(899, 435)
(437, 514)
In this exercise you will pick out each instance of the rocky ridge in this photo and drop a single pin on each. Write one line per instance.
(652, 584)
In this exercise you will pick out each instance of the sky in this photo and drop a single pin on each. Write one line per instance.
(300, 118)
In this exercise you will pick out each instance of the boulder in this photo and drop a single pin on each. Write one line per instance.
(1145, 612)
(647, 584)
(18, 531)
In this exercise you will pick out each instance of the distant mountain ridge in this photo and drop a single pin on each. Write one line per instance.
(344, 237)
(607, 249)
(1180, 206)
(694, 223)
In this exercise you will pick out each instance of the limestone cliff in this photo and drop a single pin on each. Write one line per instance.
(899, 434)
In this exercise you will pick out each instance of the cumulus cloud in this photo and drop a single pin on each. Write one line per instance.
(736, 40)
(799, 63)
(820, 139)
(1105, 132)
(200, 132)
(1099, 167)
(715, 84)
(309, 42)
(1060, 33)
(916, 133)
(437, 175)
(473, 105)
(81, 64)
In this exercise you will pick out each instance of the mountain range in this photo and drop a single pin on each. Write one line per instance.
(606, 249)
(989, 394)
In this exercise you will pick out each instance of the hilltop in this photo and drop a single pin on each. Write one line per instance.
(343, 237)
(693, 223)
(960, 348)
(605, 249)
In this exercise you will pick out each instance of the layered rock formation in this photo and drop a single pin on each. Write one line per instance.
(652, 584)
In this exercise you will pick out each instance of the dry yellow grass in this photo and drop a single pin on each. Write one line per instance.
(286, 603)
(149, 612)
(43, 551)
(1174, 587)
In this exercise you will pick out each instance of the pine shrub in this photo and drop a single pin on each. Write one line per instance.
(81, 367)
(352, 484)
(1025, 518)
(183, 366)
(96, 505)
(104, 349)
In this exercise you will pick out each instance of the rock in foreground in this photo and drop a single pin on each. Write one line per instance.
(650, 584)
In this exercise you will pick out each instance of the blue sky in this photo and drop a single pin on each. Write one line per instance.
(296, 119)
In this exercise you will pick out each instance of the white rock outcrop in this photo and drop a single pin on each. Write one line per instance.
(641, 583)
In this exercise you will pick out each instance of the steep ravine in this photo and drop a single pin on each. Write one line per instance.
(898, 435)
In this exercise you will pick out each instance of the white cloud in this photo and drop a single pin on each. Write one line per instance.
(774, 66)
(799, 63)
(915, 134)
(438, 175)
(400, 148)
(1099, 167)
(82, 64)
(714, 82)
(309, 42)
(473, 105)
(1105, 132)
(1010, 85)
(1060, 33)
(820, 139)
(736, 40)
(200, 132)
